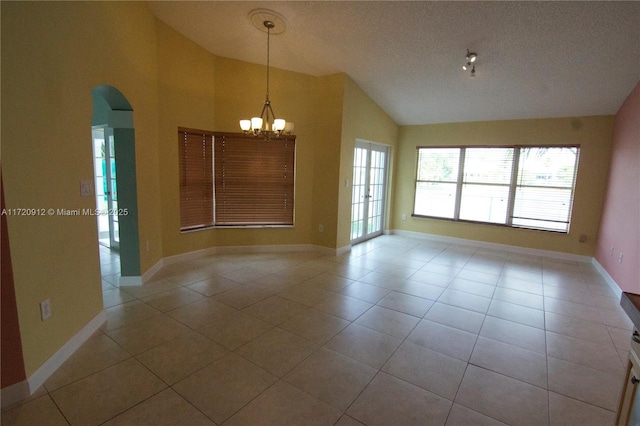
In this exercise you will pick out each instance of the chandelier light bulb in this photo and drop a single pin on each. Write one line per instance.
(278, 125)
(288, 127)
(256, 123)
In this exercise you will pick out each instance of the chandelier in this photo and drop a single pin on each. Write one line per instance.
(266, 124)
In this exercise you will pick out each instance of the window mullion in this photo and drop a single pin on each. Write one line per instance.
(512, 187)
(456, 212)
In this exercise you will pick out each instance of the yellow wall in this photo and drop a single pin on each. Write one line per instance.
(186, 85)
(594, 134)
(239, 93)
(362, 119)
(326, 166)
(53, 54)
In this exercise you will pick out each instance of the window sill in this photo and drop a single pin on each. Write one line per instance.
(205, 228)
(501, 225)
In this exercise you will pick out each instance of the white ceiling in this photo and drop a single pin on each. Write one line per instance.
(535, 59)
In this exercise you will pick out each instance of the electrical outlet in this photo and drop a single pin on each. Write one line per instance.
(583, 238)
(620, 258)
(86, 188)
(45, 309)
(404, 216)
(321, 228)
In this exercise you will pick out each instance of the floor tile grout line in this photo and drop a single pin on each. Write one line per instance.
(379, 370)
(485, 314)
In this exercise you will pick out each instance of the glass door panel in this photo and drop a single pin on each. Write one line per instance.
(369, 191)
(105, 186)
(359, 194)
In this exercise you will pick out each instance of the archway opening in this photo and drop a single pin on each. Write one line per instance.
(116, 189)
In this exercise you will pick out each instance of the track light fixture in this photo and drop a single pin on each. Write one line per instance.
(470, 62)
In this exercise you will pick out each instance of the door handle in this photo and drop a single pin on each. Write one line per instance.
(635, 337)
(634, 380)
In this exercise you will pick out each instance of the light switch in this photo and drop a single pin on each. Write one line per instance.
(86, 188)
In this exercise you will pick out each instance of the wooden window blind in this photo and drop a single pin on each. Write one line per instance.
(196, 178)
(231, 179)
(254, 180)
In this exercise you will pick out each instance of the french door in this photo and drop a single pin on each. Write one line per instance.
(104, 160)
(369, 191)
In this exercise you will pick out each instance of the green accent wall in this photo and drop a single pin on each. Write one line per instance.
(125, 147)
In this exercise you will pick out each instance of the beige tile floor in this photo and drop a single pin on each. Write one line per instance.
(399, 331)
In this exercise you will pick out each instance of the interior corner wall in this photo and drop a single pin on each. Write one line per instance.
(620, 227)
(186, 88)
(329, 98)
(362, 119)
(231, 90)
(593, 134)
(240, 93)
(53, 55)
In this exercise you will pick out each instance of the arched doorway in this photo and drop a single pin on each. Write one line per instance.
(113, 119)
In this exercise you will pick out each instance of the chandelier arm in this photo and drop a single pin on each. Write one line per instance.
(264, 109)
(273, 116)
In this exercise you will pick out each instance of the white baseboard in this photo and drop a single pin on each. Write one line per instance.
(197, 254)
(614, 286)
(52, 364)
(129, 281)
(15, 393)
(495, 246)
(342, 250)
(22, 390)
(152, 271)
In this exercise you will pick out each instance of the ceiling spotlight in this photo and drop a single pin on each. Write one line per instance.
(471, 62)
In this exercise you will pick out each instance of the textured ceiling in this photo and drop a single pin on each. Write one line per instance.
(535, 59)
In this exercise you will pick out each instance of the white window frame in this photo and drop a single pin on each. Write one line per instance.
(513, 185)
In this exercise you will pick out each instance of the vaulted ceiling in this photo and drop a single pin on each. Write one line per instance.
(535, 59)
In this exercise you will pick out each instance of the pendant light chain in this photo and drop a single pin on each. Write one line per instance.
(268, 25)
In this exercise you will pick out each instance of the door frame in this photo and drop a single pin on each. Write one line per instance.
(386, 149)
(112, 109)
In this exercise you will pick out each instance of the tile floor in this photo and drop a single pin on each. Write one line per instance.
(399, 331)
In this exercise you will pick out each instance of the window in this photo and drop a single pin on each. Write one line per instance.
(196, 179)
(230, 179)
(518, 186)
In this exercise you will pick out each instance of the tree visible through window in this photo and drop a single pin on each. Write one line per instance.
(518, 186)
